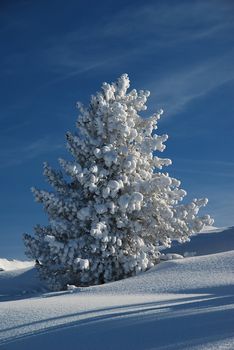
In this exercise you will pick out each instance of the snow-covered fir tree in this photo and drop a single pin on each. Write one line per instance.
(112, 208)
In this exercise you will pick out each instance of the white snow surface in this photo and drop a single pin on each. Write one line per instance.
(210, 229)
(178, 304)
(11, 265)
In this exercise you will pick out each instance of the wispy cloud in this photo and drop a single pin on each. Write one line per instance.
(137, 32)
(134, 32)
(175, 91)
(24, 153)
(213, 168)
(221, 202)
(206, 172)
(206, 162)
(170, 23)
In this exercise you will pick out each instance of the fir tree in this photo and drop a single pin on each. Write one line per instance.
(111, 209)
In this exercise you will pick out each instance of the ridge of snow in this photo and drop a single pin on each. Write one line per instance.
(210, 229)
(10, 265)
(189, 300)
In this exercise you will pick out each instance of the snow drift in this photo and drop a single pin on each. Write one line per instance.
(179, 304)
(11, 265)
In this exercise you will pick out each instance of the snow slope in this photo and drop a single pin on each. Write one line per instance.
(12, 265)
(179, 304)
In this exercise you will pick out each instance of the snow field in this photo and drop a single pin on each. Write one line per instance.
(179, 304)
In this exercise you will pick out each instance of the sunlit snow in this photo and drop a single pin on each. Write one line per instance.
(185, 303)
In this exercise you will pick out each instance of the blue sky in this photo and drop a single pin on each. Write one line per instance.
(54, 53)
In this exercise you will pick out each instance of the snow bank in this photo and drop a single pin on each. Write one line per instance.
(191, 300)
(179, 304)
(209, 229)
(10, 265)
(20, 283)
(192, 274)
(214, 240)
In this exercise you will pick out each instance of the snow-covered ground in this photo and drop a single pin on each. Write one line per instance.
(179, 304)
(12, 265)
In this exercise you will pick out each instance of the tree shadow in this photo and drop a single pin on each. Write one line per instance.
(171, 324)
(23, 285)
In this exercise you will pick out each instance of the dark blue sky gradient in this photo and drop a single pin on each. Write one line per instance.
(54, 53)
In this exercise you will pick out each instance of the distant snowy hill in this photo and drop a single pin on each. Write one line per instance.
(179, 304)
(213, 240)
(11, 265)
